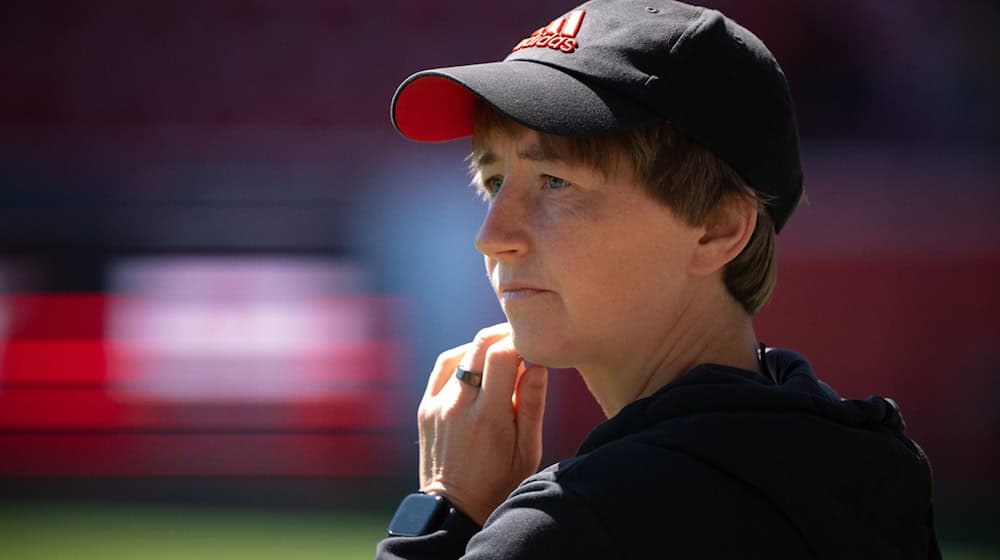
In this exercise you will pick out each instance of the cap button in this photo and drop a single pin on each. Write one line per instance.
(652, 10)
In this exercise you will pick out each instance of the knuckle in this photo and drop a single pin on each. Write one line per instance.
(423, 412)
(450, 355)
(502, 350)
(440, 361)
(482, 336)
(431, 415)
(491, 332)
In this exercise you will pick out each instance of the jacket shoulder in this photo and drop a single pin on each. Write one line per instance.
(645, 493)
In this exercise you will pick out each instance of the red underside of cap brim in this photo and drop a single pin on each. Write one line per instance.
(434, 109)
(438, 105)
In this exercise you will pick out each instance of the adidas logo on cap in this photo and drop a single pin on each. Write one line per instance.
(558, 35)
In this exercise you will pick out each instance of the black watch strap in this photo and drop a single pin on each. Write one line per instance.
(421, 514)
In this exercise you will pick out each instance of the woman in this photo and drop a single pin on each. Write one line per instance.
(638, 160)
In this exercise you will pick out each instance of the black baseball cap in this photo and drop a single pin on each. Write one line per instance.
(612, 65)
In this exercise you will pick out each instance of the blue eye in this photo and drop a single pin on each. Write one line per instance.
(555, 183)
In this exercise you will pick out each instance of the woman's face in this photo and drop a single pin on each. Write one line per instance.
(586, 265)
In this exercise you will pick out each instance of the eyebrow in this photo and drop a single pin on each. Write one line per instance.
(533, 152)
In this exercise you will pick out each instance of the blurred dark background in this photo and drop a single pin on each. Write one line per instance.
(224, 277)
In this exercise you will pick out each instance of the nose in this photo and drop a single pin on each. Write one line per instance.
(504, 233)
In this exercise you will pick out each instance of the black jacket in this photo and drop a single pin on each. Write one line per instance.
(721, 463)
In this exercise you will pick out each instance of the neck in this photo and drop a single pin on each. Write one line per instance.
(718, 333)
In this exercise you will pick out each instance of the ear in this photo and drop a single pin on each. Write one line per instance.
(727, 230)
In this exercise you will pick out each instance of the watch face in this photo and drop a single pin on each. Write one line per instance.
(418, 514)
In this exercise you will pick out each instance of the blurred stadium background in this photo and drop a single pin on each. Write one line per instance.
(223, 277)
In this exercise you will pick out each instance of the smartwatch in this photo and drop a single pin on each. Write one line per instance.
(419, 514)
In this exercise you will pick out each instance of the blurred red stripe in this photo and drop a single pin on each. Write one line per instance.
(199, 454)
(34, 315)
(55, 361)
(76, 400)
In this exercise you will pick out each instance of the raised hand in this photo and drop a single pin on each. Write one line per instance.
(478, 443)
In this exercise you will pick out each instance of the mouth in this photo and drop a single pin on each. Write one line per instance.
(513, 292)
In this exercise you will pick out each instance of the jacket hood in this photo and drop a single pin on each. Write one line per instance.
(841, 471)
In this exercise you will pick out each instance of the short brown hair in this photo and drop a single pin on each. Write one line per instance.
(677, 171)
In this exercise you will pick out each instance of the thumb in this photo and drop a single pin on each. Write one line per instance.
(530, 405)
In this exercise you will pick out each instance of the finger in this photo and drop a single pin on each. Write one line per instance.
(444, 367)
(474, 359)
(459, 391)
(529, 401)
(500, 371)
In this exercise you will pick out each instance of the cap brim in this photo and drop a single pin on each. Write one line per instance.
(437, 105)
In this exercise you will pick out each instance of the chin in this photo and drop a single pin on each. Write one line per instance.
(543, 350)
